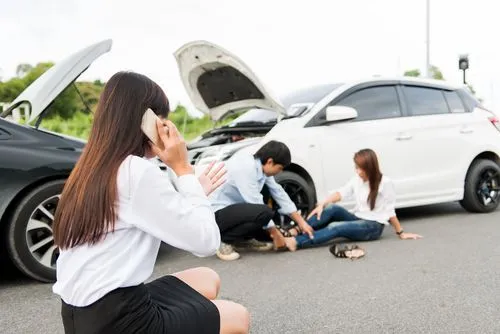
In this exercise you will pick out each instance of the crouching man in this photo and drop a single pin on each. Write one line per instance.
(239, 209)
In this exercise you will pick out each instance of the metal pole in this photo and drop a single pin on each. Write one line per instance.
(465, 82)
(427, 40)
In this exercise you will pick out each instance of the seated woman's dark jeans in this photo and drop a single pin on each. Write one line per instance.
(337, 222)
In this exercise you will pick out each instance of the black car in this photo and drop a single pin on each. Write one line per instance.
(34, 165)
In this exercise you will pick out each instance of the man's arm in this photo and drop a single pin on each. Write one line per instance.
(287, 207)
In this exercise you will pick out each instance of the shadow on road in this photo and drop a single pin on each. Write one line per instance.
(431, 211)
(10, 276)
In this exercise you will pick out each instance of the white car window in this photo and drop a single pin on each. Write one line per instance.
(425, 101)
(373, 103)
(454, 102)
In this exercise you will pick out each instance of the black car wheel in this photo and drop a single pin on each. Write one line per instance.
(30, 241)
(300, 192)
(482, 187)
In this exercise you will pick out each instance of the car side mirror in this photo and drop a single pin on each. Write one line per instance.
(340, 113)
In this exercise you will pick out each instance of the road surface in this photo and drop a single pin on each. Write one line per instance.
(448, 282)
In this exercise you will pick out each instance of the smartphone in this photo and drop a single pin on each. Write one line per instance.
(150, 128)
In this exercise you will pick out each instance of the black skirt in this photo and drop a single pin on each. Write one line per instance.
(166, 305)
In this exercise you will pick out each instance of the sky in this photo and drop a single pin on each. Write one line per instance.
(288, 44)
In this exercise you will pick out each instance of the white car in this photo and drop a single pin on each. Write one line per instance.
(435, 140)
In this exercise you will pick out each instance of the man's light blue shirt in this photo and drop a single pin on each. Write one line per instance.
(244, 182)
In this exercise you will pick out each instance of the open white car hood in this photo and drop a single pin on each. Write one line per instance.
(49, 85)
(218, 82)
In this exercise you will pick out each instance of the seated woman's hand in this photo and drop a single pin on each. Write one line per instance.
(317, 211)
(212, 177)
(409, 236)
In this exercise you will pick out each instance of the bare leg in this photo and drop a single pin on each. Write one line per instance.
(278, 238)
(204, 280)
(234, 318)
(291, 244)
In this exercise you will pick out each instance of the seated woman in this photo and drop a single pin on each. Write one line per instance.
(375, 198)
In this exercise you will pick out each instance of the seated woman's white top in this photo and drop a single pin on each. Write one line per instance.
(359, 190)
(149, 210)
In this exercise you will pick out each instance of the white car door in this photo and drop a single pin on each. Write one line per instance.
(439, 132)
(377, 127)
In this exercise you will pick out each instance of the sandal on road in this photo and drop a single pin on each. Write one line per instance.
(350, 252)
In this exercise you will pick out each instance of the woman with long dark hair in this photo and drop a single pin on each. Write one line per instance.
(375, 200)
(115, 210)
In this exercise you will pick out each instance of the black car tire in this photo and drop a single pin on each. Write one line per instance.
(17, 246)
(471, 201)
(290, 177)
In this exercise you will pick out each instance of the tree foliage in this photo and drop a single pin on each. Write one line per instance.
(69, 113)
(434, 71)
(435, 74)
(65, 105)
(412, 73)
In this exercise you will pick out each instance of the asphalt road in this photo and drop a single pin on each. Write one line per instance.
(448, 282)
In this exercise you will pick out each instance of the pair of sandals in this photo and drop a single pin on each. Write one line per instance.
(347, 251)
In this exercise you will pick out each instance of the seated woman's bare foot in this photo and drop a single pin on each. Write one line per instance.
(291, 244)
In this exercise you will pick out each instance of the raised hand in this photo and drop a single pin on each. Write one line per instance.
(317, 211)
(212, 177)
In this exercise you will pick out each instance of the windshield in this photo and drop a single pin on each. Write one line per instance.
(252, 116)
(295, 104)
(308, 96)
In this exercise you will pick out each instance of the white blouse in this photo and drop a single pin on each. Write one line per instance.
(150, 210)
(358, 190)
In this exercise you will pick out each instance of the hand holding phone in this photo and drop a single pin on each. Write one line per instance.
(174, 151)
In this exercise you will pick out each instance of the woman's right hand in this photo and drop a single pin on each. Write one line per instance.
(317, 211)
(175, 153)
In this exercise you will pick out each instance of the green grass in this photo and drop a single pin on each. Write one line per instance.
(79, 125)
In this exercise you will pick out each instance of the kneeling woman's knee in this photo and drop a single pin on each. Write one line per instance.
(244, 318)
(234, 317)
(214, 279)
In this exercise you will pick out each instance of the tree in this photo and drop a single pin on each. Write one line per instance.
(434, 71)
(412, 73)
(23, 69)
(65, 105)
(435, 74)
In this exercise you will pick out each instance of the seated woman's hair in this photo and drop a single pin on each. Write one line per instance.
(366, 159)
(86, 210)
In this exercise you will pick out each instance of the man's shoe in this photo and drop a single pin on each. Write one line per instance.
(254, 245)
(226, 252)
